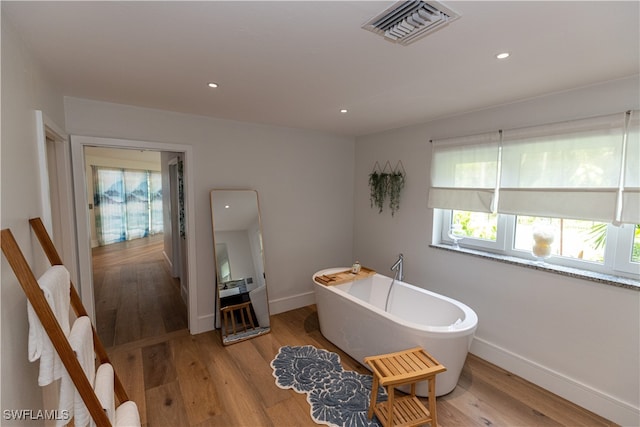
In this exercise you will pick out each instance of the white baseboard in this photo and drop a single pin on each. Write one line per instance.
(204, 324)
(281, 305)
(579, 393)
(168, 261)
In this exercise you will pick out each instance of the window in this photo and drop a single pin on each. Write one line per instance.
(587, 245)
(552, 192)
(478, 225)
(127, 204)
(572, 238)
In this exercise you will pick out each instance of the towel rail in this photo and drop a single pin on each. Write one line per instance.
(54, 258)
(29, 284)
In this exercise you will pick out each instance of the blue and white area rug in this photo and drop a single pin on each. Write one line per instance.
(337, 397)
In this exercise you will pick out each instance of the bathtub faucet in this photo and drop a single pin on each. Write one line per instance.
(397, 267)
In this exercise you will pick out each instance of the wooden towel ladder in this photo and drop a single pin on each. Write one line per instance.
(29, 284)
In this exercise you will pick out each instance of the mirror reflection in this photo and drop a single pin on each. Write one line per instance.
(239, 259)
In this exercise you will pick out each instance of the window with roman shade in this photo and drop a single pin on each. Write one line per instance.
(581, 169)
(464, 173)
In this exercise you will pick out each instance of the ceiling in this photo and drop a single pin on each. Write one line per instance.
(297, 63)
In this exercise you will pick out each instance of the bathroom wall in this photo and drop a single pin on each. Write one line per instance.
(304, 180)
(25, 88)
(577, 338)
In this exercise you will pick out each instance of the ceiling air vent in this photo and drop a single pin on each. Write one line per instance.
(407, 21)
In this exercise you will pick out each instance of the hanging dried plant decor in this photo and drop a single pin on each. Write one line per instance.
(386, 183)
(396, 184)
(378, 186)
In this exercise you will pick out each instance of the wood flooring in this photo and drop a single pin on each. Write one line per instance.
(135, 296)
(179, 379)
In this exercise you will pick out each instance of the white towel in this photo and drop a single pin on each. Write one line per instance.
(127, 415)
(55, 284)
(104, 390)
(81, 341)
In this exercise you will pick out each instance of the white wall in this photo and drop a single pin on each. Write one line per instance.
(304, 179)
(24, 89)
(577, 338)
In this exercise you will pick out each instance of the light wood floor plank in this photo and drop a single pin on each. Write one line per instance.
(450, 415)
(165, 406)
(195, 381)
(251, 364)
(478, 409)
(238, 399)
(543, 402)
(291, 412)
(158, 365)
(128, 364)
(487, 403)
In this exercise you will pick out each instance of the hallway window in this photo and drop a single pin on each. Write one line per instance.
(127, 203)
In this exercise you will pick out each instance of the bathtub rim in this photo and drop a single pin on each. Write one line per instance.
(467, 327)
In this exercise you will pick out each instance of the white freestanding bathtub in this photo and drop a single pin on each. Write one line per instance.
(352, 316)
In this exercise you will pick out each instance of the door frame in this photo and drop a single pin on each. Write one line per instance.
(176, 262)
(53, 149)
(78, 143)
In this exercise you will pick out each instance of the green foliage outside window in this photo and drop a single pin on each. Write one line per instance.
(477, 224)
(598, 237)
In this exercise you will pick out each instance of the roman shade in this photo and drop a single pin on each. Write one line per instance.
(464, 173)
(581, 169)
(563, 170)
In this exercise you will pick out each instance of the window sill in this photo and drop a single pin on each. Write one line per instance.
(606, 279)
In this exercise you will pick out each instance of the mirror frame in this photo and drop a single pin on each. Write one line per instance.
(217, 309)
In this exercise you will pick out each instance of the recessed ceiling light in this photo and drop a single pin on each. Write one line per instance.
(344, 110)
(213, 85)
(226, 206)
(503, 55)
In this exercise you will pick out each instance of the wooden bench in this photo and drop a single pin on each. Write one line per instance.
(406, 367)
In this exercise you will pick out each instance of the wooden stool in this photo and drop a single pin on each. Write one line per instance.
(230, 311)
(404, 367)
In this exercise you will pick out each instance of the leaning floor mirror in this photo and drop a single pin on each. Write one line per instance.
(239, 259)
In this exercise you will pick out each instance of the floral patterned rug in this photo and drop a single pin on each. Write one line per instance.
(337, 397)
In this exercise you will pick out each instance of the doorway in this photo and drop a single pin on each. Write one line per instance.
(84, 198)
(136, 294)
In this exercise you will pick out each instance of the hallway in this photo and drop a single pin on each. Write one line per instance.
(135, 296)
